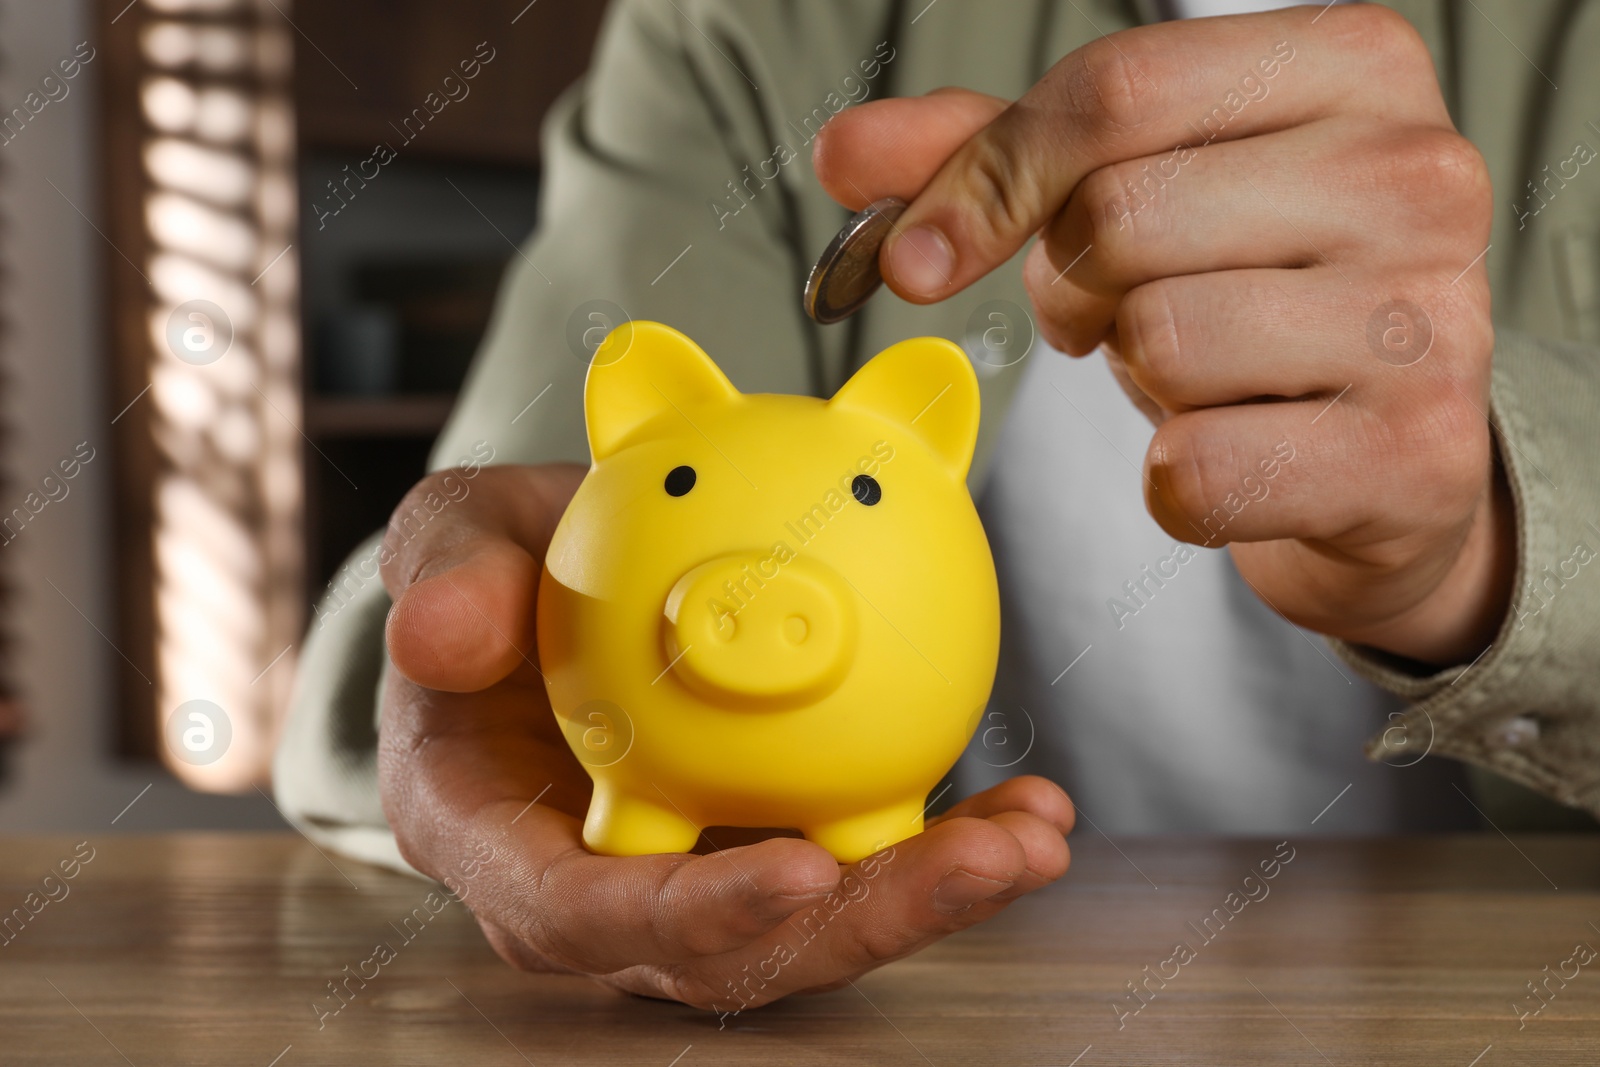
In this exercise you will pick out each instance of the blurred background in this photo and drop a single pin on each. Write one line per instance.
(248, 248)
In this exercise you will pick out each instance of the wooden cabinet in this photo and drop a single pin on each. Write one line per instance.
(363, 66)
(455, 95)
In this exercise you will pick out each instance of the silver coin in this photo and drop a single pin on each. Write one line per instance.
(846, 275)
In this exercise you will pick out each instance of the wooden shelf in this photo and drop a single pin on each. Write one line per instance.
(400, 51)
(377, 416)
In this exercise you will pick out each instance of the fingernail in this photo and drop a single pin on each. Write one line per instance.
(922, 261)
(962, 889)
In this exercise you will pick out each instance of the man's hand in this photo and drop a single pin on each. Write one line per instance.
(483, 794)
(1246, 213)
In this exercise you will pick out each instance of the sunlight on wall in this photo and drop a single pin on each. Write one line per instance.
(219, 214)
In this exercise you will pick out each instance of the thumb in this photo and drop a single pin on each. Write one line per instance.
(468, 622)
(894, 147)
(461, 561)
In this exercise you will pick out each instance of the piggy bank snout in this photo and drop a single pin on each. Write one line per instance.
(751, 628)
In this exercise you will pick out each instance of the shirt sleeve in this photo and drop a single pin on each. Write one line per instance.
(1528, 708)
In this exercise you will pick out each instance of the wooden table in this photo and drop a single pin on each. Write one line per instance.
(211, 949)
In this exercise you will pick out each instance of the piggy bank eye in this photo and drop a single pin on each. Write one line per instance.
(866, 489)
(680, 480)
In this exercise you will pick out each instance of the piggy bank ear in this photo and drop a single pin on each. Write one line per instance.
(927, 386)
(642, 370)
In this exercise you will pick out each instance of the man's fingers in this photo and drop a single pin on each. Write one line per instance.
(600, 914)
(470, 624)
(902, 899)
(1238, 337)
(1147, 91)
(461, 559)
(1025, 793)
(1262, 202)
(1203, 340)
(1317, 469)
(1259, 472)
(893, 147)
(1043, 844)
(441, 518)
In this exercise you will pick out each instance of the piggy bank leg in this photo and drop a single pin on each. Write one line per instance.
(623, 824)
(859, 836)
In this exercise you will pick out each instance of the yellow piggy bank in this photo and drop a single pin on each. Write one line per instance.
(770, 611)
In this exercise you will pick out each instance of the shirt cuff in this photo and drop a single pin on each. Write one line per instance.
(1528, 708)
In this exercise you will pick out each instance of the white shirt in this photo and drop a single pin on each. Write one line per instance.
(1194, 9)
